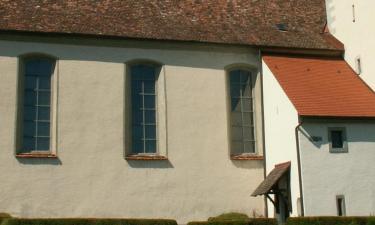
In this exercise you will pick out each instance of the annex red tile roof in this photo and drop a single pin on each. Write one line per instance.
(322, 86)
(248, 22)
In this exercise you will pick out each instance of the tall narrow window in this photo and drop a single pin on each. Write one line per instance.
(143, 100)
(340, 203)
(36, 126)
(242, 122)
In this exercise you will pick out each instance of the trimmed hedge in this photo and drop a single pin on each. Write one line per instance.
(256, 221)
(16, 221)
(330, 220)
(4, 216)
(230, 217)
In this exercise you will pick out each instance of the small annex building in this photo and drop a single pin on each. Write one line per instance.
(323, 121)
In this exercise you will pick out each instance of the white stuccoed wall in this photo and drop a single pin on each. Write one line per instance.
(359, 36)
(91, 177)
(329, 174)
(281, 118)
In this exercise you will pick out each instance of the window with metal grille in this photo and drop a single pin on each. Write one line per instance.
(37, 104)
(143, 101)
(242, 112)
(337, 140)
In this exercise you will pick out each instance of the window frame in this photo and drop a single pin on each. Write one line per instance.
(160, 116)
(253, 75)
(156, 69)
(344, 149)
(19, 151)
(341, 207)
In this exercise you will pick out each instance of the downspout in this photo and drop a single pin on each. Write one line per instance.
(263, 129)
(299, 165)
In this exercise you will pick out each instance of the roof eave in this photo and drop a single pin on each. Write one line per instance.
(336, 117)
(263, 48)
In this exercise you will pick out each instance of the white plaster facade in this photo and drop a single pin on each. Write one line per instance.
(91, 178)
(356, 31)
(326, 174)
(280, 121)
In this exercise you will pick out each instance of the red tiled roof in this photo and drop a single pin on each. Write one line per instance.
(322, 86)
(248, 22)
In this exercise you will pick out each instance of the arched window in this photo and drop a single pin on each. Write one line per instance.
(144, 108)
(36, 83)
(242, 111)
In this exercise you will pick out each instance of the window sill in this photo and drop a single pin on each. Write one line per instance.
(338, 151)
(145, 157)
(36, 155)
(246, 157)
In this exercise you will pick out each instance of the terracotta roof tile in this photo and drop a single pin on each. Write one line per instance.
(322, 86)
(248, 22)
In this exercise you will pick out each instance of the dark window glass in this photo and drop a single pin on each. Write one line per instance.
(337, 139)
(143, 78)
(341, 208)
(37, 104)
(242, 122)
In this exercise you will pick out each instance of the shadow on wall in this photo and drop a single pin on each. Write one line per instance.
(159, 164)
(248, 164)
(40, 161)
(122, 51)
(330, 10)
(355, 132)
(310, 135)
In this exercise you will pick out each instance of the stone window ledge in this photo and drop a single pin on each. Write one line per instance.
(246, 157)
(36, 155)
(145, 157)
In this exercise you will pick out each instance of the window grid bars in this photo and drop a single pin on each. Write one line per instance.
(144, 109)
(143, 117)
(34, 136)
(242, 108)
(242, 126)
(142, 123)
(242, 97)
(37, 114)
(246, 83)
(45, 121)
(30, 105)
(36, 90)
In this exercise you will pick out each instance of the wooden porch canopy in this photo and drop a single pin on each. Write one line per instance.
(271, 180)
